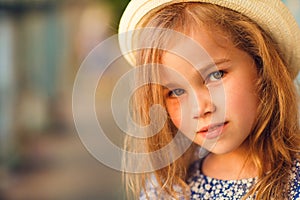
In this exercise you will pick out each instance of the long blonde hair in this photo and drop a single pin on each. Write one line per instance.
(275, 140)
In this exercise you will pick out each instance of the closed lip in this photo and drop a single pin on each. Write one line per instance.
(211, 127)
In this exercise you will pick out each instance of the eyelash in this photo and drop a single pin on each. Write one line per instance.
(172, 93)
(220, 74)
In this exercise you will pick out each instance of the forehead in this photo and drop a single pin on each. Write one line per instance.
(198, 48)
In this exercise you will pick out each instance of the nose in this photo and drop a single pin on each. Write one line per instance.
(202, 104)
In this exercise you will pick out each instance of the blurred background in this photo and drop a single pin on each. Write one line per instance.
(42, 44)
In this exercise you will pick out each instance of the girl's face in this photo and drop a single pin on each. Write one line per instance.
(219, 124)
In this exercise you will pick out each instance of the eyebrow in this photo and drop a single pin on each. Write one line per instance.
(217, 62)
(170, 85)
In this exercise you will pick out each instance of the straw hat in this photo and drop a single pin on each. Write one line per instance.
(272, 15)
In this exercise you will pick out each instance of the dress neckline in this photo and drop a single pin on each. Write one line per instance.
(197, 168)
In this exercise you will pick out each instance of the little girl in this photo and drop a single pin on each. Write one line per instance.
(239, 103)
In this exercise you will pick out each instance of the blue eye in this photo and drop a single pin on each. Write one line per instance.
(216, 76)
(176, 92)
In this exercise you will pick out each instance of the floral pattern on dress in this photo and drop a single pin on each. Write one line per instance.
(204, 187)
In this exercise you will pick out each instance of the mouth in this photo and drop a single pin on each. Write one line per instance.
(212, 131)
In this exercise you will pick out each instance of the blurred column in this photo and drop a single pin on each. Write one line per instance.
(40, 51)
(7, 86)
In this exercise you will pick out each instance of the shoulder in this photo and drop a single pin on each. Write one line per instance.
(294, 190)
(152, 190)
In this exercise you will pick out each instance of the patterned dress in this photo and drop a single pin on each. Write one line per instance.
(204, 187)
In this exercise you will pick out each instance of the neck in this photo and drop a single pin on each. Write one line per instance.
(234, 165)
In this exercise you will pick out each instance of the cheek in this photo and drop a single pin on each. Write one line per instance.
(174, 110)
(243, 102)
